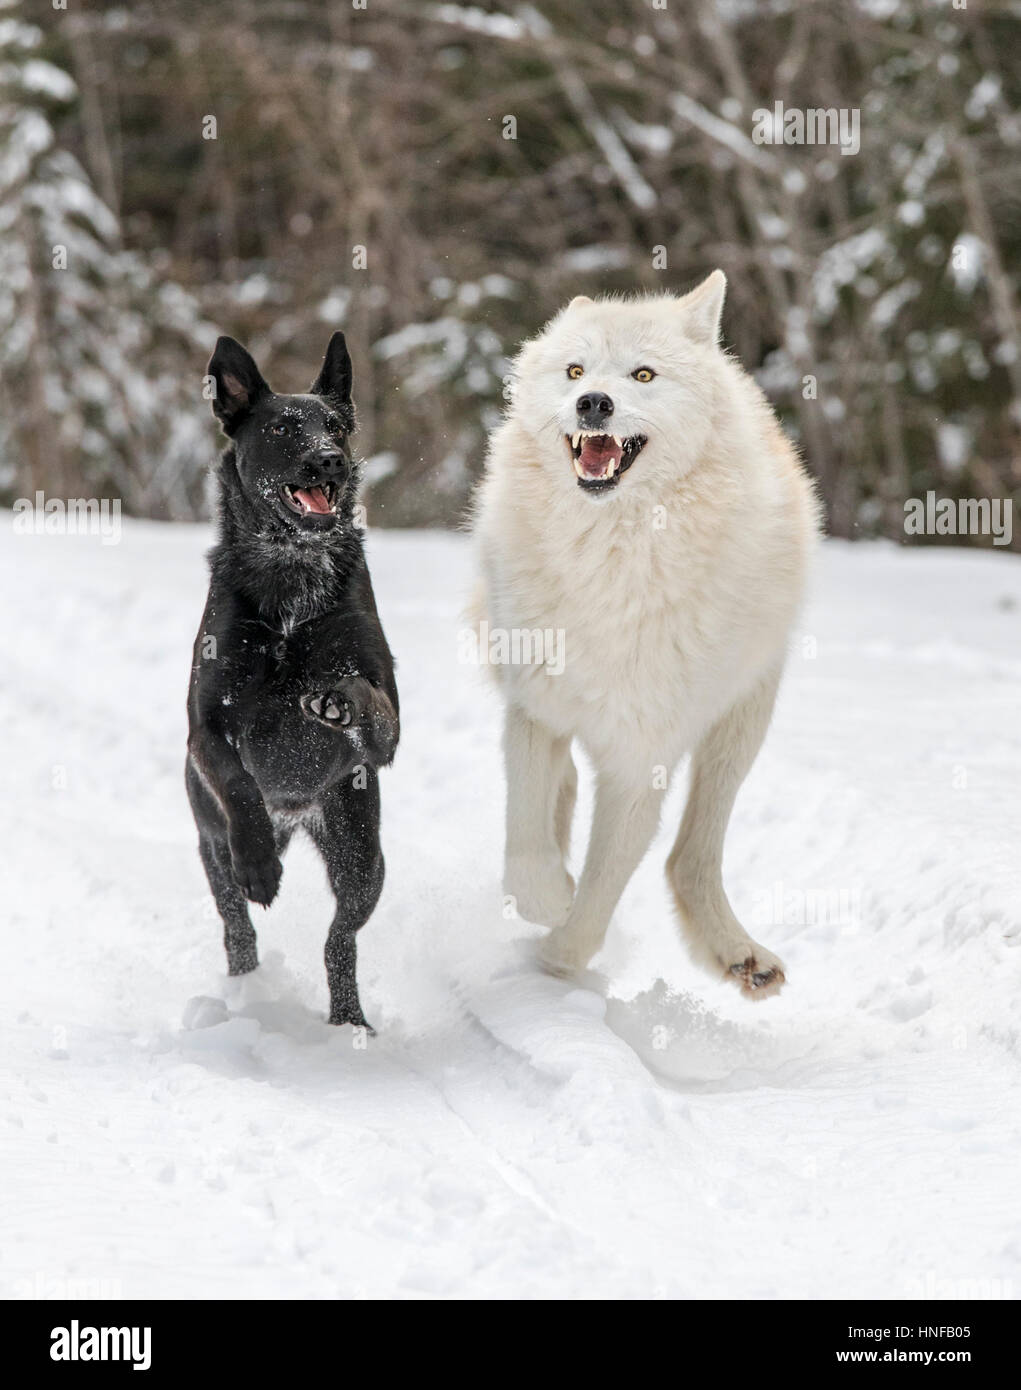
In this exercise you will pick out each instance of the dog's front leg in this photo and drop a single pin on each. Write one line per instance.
(354, 705)
(254, 860)
(541, 785)
(623, 825)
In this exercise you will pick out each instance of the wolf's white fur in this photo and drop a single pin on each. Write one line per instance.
(676, 592)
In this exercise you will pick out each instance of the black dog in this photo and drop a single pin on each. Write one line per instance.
(293, 704)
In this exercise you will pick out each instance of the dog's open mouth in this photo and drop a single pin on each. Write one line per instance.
(320, 500)
(600, 459)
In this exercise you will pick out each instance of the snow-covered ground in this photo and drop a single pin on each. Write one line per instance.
(509, 1135)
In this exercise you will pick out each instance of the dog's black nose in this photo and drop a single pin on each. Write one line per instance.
(331, 462)
(593, 409)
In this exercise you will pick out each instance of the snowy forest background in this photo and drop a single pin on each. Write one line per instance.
(129, 238)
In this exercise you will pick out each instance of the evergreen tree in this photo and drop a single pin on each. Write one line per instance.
(91, 342)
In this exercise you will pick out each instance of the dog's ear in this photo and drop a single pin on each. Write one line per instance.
(238, 382)
(579, 301)
(703, 308)
(334, 380)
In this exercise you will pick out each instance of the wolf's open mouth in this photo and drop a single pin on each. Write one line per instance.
(600, 459)
(320, 500)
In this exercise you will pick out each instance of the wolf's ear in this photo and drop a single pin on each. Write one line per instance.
(334, 379)
(579, 301)
(239, 383)
(703, 308)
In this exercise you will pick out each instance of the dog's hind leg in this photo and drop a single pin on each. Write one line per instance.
(238, 932)
(720, 764)
(347, 835)
(623, 825)
(540, 802)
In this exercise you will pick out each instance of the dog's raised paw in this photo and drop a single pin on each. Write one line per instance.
(330, 708)
(337, 707)
(759, 975)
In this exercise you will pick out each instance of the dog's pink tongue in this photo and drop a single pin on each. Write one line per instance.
(598, 451)
(314, 498)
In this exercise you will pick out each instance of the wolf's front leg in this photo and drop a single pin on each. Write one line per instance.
(541, 787)
(623, 825)
(720, 764)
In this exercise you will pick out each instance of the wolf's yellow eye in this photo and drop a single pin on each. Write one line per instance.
(574, 371)
(643, 374)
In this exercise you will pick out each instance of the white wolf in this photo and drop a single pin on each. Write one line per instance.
(641, 499)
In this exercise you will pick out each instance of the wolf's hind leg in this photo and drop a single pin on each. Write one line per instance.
(623, 825)
(720, 764)
(563, 812)
(541, 786)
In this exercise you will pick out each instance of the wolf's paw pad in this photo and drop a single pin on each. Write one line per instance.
(543, 891)
(759, 975)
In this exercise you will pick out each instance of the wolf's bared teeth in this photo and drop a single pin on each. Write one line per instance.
(575, 439)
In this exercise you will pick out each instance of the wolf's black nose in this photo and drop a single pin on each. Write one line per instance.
(593, 408)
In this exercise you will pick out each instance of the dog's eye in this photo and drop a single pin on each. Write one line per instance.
(279, 428)
(333, 424)
(643, 374)
(574, 371)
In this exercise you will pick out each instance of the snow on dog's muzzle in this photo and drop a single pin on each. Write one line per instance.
(600, 459)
